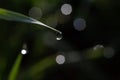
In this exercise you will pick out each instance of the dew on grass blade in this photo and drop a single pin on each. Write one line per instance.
(58, 33)
(14, 16)
(40, 23)
(59, 36)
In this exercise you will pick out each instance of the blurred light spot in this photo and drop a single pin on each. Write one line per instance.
(52, 20)
(98, 47)
(35, 12)
(23, 51)
(58, 38)
(60, 59)
(49, 39)
(66, 9)
(73, 56)
(108, 52)
(24, 46)
(79, 24)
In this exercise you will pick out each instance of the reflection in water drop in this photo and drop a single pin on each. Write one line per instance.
(58, 38)
(23, 51)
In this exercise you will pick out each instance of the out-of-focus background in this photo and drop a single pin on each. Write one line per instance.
(89, 48)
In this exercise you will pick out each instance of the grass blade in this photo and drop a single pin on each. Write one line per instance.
(15, 68)
(14, 16)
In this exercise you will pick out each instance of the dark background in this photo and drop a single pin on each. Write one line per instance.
(102, 29)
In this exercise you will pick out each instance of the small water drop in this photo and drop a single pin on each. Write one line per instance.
(59, 33)
(23, 51)
(59, 36)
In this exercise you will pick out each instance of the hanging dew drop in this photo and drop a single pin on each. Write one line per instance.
(59, 33)
(14, 16)
(59, 36)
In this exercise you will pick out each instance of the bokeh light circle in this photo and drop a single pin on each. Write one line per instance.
(66, 9)
(35, 12)
(79, 24)
(60, 59)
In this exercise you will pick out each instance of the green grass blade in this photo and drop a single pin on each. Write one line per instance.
(15, 68)
(14, 16)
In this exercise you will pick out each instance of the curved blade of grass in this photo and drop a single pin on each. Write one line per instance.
(15, 68)
(14, 16)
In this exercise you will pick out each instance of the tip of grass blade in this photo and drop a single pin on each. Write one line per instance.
(14, 16)
(15, 68)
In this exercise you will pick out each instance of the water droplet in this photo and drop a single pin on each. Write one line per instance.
(59, 33)
(59, 36)
(23, 51)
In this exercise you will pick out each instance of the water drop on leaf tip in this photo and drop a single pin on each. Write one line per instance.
(59, 36)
